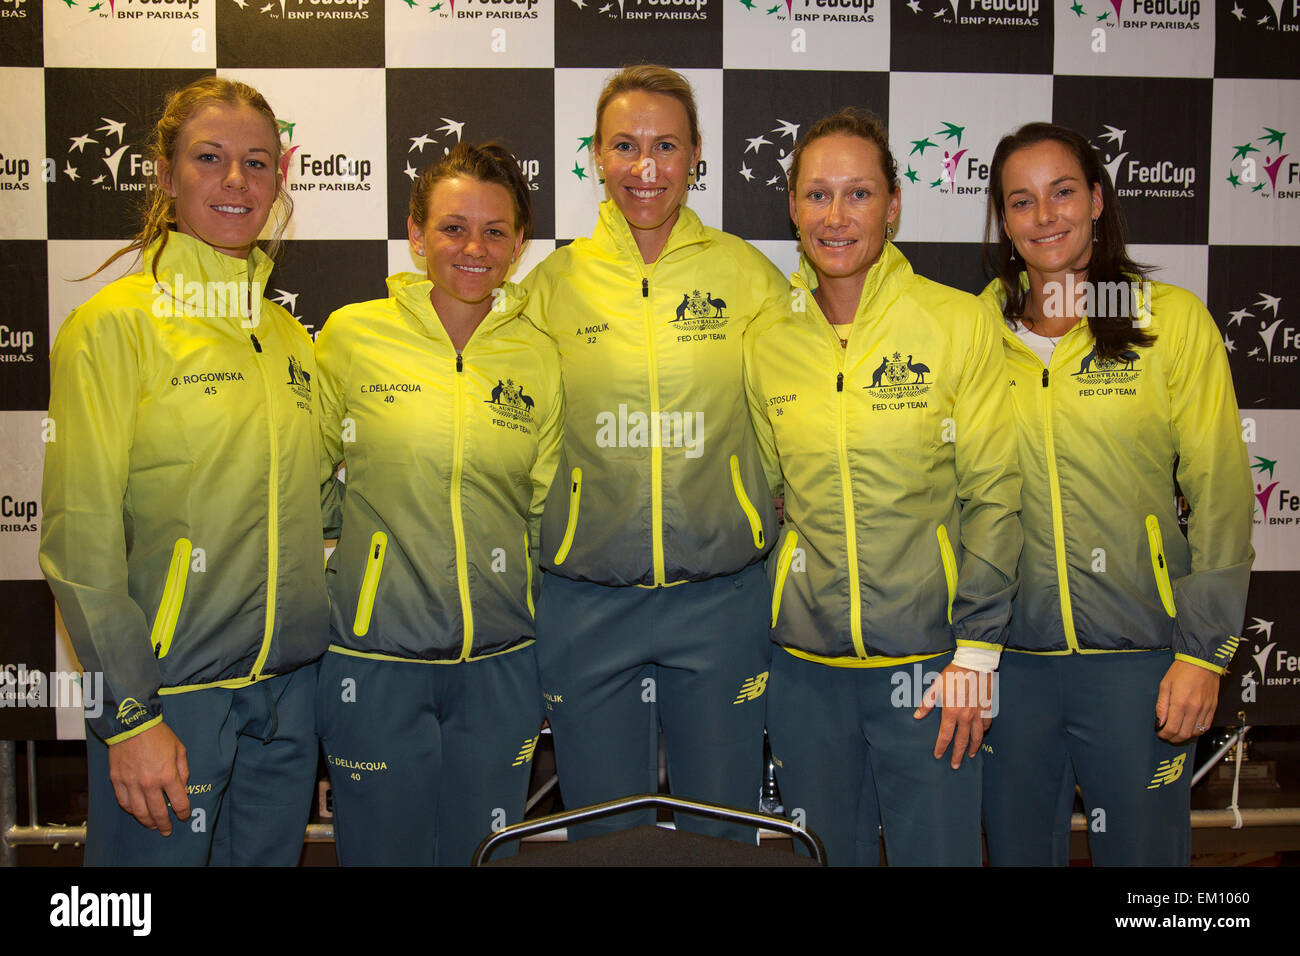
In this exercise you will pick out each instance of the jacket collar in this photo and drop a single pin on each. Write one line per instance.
(411, 291)
(204, 282)
(615, 236)
(884, 283)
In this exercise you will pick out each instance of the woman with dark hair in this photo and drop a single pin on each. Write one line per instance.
(181, 533)
(880, 404)
(1120, 388)
(444, 403)
(652, 605)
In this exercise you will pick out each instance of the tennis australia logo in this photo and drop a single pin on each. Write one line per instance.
(1140, 14)
(771, 167)
(899, 382)
(310, 9)
(1099, 375)
(950, 169)
(816, 11)
(997, 13)
(1259, 165)
(104, 157)
(1278, 342)
(1145, 177)
(701, 313)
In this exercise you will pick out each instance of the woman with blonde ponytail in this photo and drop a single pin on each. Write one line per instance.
(181, 531)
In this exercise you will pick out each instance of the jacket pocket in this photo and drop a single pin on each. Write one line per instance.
(755, 523)
(1158, 565)
(169, 608)
(575, 498)
(949, 566)
(370, 583)
(528, 582)
(782, 570)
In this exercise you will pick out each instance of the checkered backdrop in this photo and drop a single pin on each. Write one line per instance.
(1194, 106)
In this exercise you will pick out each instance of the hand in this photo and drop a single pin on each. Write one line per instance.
(964, 696)
(147, 770)
(1185, 706)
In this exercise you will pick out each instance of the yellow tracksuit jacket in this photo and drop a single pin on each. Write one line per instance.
(1105, 566)
(181, 531)
(659, 479)
(448, 459)
(898, 464)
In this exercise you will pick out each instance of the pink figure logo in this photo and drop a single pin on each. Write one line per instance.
(1262, 493)
(950, 164)
(1272, 169)
(1118, 5)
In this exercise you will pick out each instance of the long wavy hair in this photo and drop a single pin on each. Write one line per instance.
(1110, 262)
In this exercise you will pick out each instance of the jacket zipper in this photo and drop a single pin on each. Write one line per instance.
(1058, 519)
(370, 583)
(169, 609)
(656, 449)
(273, 512)
(457, 519)
(850, 531)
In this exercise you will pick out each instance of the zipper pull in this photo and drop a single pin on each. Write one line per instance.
(460, 363)
(839, 382)
(257, 346)
(376, 552)
(645, 288)
(157, 650)
(1044, 378)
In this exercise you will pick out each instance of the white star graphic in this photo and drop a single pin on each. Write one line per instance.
(786, 128)
(423, 140)
(79, 142)
(747, 173)
(451, 127)
(774, 180)
(1237, 12)
(1229, 344)
(410, 172)
(100, 178)
(756, 142)
(243, 4)
(114, 128)
(1261, 22)
(1270, 301)
(70, 171)
(914, 6)
(579, 4)
(1236, 317)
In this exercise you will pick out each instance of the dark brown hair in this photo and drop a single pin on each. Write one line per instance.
(850, 121)
(159, 208)
(650, 78)
(1109, 263)
(488, 163)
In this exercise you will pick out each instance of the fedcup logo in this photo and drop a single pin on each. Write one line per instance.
(13, 9)
(1011, 13)
(1276, 665)
(813, 11)
(14, 173)
(1278, 500)
(647, 9)
(17, 345)
(305, 171)
(18, 514)
(772, 157)
(1141, 14)
(104, 157)
(144, 9)
(311, 9)
(1142, 177)
(1258, 165)
(480, 9)
(950, 169)
(1277, 341)
(1273, 23)
(416, 159)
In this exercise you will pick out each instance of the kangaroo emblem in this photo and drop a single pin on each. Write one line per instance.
(681, 309)
(1086, 365)
(875, 376)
